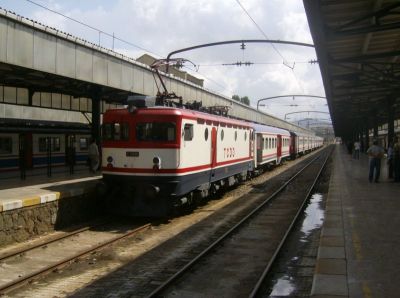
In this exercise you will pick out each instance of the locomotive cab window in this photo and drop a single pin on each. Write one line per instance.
(5, 145)
(156, 131)
(188, 132)
(116, 131)
(108, 131)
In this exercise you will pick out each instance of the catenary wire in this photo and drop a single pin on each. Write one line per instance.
(273, 46)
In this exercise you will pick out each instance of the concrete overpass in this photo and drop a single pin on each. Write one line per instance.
(44, 59)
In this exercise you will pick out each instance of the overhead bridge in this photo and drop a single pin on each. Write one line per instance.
(44, 59)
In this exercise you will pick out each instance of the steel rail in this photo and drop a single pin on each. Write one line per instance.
(23, 280)
(164, 285)
(260, 281)
(55, 239)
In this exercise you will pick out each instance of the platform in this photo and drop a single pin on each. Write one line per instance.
(38, 188)
(358, 254)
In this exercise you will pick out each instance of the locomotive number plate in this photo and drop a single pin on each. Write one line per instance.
(132, 153)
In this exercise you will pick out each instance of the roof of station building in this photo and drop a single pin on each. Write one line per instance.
(358, 47)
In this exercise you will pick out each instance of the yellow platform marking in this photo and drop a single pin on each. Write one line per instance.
(30, 201)
(366, 290)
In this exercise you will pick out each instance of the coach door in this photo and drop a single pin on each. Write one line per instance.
(213, 147)
(279, 147)
(25, 150)
(260, 147)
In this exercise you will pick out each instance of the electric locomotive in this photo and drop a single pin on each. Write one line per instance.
(155, 158)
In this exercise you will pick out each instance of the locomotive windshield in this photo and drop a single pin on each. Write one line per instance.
(116, 131)
(156, 131)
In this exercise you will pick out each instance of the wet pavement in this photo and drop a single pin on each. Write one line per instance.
(293, 273)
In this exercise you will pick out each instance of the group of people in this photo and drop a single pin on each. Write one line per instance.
(376, 152)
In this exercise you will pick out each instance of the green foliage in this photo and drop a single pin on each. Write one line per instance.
(236, 97)
(245, 100)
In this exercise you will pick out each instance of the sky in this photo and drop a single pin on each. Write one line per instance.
(158, 27)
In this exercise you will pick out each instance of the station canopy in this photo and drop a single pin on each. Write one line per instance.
(358, 47)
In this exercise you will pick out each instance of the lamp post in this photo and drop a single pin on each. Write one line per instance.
(292, 95)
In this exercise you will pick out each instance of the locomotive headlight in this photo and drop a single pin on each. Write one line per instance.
(110, 162)
(156, 163)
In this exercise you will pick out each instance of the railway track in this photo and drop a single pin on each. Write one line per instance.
(235, 264)
(32, 262)
(137, 266)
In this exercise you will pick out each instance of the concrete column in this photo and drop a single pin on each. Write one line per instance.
(390, 120)
(96, 104)
(30, 96)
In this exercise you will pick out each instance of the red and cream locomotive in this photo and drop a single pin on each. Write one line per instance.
(159, 157)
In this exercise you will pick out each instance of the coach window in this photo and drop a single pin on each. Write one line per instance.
(188, 132)
(56, 146)
(83, 143)
(235, 135)
(245, 135)
(5, 145)
(42, 144)
(206, 134)
(222, 135)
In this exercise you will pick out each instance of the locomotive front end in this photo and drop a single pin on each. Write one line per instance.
(140, 159)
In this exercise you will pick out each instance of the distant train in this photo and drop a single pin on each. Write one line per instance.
(157, 158)
(42, 143)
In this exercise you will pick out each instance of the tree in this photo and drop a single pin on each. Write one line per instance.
(236, 97)
(245, 100)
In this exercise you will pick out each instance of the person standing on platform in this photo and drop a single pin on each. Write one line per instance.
(375, 153)
(93, 155)
(357, 147)
(396, 160)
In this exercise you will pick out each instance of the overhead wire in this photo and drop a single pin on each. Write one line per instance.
(273, 46)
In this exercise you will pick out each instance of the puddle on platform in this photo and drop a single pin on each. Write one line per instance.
(283, 287)
(314, 215)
